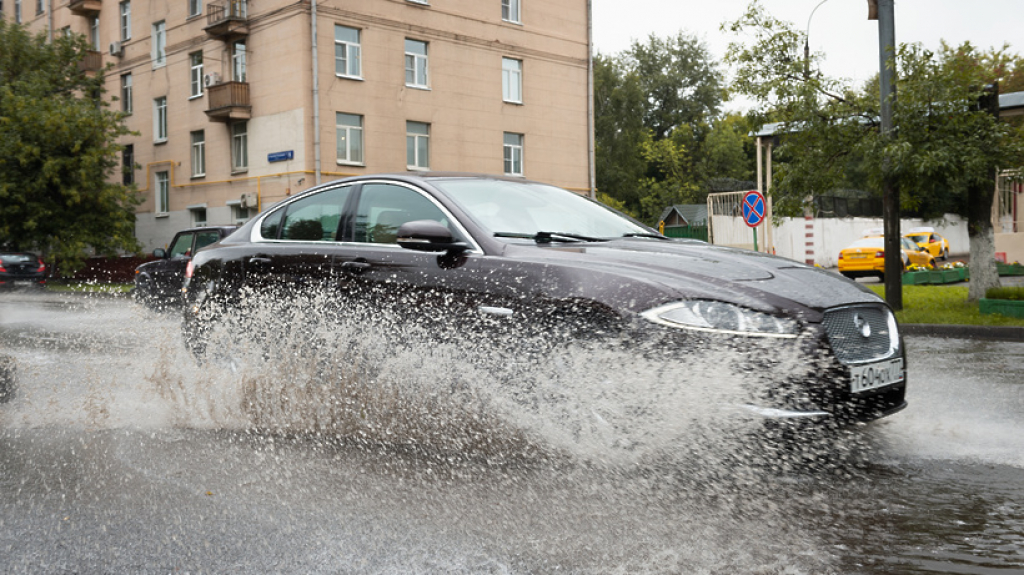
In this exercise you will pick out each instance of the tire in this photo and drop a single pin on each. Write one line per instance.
(945, 254)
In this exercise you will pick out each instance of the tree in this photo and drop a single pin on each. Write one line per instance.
(619, 133)
(659, 140)
(679, 79)
(57, 152)
(943, 144)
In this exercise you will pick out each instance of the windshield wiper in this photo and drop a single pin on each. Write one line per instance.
(548, 237)
(645, 235)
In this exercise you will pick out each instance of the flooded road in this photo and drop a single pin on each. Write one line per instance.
(120, 455)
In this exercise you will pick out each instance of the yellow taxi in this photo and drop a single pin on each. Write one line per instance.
(866, 257)
(936, 245)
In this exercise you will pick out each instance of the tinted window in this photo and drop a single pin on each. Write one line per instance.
(314, 218)
(204, 239)
(385, 207)
(182, 246)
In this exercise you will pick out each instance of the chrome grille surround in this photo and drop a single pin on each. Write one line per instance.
(862, 333)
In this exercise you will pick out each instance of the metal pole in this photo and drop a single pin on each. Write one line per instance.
(890, 193)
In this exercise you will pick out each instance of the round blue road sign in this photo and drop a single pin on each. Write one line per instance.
(753, 208)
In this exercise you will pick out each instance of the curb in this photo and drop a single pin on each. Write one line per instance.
(996, 332)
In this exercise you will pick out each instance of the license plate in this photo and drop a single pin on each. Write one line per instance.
(857, 256)
(23, 282)
(875, 375)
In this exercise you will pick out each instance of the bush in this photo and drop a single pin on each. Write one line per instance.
(1014, 293)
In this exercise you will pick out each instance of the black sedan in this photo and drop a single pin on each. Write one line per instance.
(457, 255)
(159, 282)
(19, 269)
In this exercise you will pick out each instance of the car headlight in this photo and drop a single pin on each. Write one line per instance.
(722, 317)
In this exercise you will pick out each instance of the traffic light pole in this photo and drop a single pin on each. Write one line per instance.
(884, 12)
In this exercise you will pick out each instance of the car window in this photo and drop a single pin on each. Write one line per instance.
(504, 207)
(313, 218)
(385, 207)
(182, 245)
(12, 259)
(204, 239)
(909, 245)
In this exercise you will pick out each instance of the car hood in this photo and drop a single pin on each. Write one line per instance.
(682, 269)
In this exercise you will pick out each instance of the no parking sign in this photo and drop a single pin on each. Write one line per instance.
(753, 211)
(753, 208)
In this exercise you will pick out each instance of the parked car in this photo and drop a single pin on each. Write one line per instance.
(21, 269)
(522, 257)
(932, 242)
(159, 282)
(866, 257)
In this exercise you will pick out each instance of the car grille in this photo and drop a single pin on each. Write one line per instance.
(860, 334)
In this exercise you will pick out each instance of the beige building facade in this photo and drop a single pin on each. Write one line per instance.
(230, 116)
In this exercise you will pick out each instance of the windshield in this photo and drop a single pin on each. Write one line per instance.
(526, 209)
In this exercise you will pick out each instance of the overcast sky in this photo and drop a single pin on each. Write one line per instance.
(838, 28)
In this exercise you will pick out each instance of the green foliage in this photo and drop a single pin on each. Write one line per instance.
(679, 80)
(57, 151)
(943, 305)
(659, 137)
(1009, 292)
(942, 143)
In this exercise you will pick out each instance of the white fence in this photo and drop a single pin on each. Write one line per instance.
(819, 240)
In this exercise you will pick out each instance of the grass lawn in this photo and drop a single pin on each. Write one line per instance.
(943, 305)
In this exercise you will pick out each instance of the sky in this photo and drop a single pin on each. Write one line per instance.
(839, 29)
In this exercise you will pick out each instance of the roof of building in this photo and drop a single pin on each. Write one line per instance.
(692, 214)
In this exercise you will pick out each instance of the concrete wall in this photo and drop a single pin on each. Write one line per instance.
(1012, 245)
(829, 235)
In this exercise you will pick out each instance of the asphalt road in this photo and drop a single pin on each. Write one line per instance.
(120, 455)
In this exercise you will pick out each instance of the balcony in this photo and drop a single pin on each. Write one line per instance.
(92, 62)
(85, 7)
(228, 19)
(228, 102)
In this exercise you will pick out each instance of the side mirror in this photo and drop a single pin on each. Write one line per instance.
(159, 253)
(428, 236)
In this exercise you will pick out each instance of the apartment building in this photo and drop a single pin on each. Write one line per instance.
(238, 104)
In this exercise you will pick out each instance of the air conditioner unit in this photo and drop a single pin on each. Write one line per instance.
(211, 79)
(116, 49)
(248, 201)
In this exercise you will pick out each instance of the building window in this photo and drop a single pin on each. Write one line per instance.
(510, 11)
(239, 146)
(94, 32)
(163, 192)
(198, 154)
(238, 61)
(195, 7)
(160, 119)
(40, 7)
(513, 154)
(17, 11)
(346, 52)
(159, 44)
(417, 145)
(126, 20)
(350, 138)
(126, 93)
(198, 218)
(128, 165)
(239, 214)
(512, 80)
(196, 73)
(415, 63)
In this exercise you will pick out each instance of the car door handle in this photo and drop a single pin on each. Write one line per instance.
(495, 311)
(356, 267)
(258, 264)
